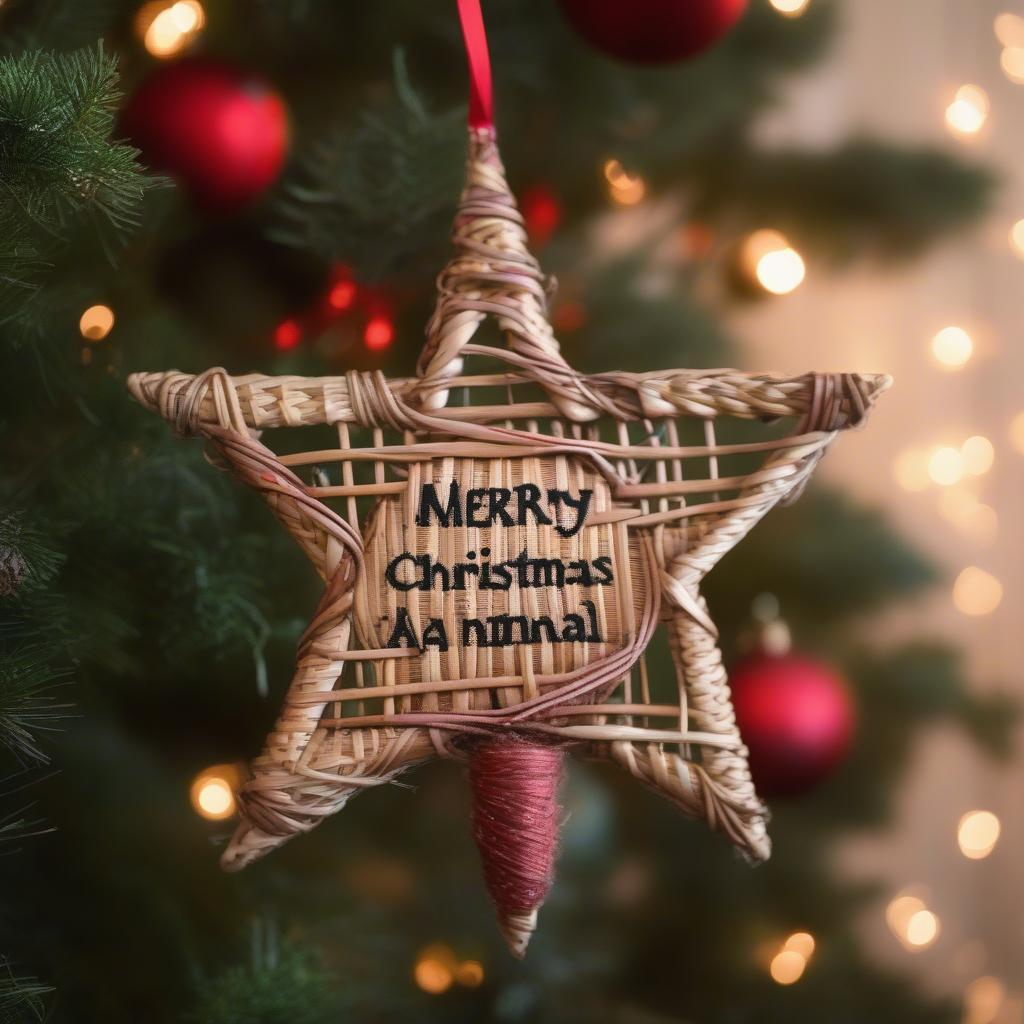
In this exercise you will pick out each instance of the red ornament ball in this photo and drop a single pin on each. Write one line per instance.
(219, 131)
(796, 717)
(652, 31)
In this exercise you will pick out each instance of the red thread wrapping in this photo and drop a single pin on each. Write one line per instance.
(515, 824)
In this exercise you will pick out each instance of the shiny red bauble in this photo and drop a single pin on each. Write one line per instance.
(796, 717)
(219, 131)
(652, 31)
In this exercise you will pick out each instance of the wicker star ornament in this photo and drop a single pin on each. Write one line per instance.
(499, 551)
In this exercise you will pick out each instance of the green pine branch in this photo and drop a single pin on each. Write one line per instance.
(58, 162)
(370, 193)
(21, 996)
(28, 704)
(292, 987)
(28, 559)
(864, 198)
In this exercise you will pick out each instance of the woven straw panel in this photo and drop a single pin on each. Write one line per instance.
(392, 529)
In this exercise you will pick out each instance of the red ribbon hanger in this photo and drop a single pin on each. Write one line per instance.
(481, 94)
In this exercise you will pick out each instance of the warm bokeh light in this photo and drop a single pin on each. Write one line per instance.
(470, 974)
(379, 333)
(977, 834)
(787, 967)
(952, 347)
(983, 999)
(973, 518)
(1017, 238)
(978, 454)
(776, 265)
(1017, 432)
(623, 188)
(780, 272)
(976, 592)
(911, 921)
(911, 470)
(945, 466)
(96, 323)
(967, 114)
(802, 943)
(1012, 62)
(166, 29)
(922, 929)
(434, 969)
(899, 912)
(1009, 29)
(790, 8)
(213, 792)
(287, 335)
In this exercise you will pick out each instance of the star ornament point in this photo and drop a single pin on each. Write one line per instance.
(501, 552)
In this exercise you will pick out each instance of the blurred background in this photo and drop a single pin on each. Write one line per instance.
(778, 185)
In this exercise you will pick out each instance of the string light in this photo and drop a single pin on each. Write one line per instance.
(342, 295)
(952, 347)
(976, 592)
(434, 970)
(945, 466)
(166, 29)
(1017, 238)
(787, 967)
(972, 517)
(911, 470)
(624, 188)
(776, 265)
(983, 999)
(912, 922)
(542, 212)
(1017, 432)
(470, 974)
(978, 454)
(789, 963)
(967, 114)
(1012, 62)
(287, 335)
(1009, 29)
(96, 323)
(900, 910)
(977, 834)
(922, 929)
(378, 333)
(802, 943)
(213, 792)
(790, 8)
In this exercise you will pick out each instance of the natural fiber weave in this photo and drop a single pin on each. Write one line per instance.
(667, 505)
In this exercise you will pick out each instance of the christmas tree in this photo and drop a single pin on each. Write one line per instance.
(148, 618)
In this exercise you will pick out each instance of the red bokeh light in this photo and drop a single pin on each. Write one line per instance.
(569, 316)
(342, 295)
(542, 212)
(379, 333)
(287, 335)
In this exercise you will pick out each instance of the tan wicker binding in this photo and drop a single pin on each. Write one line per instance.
(667, 507)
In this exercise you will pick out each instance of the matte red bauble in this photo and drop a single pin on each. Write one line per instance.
(652, 31)
(222, 133)
(795, 716)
